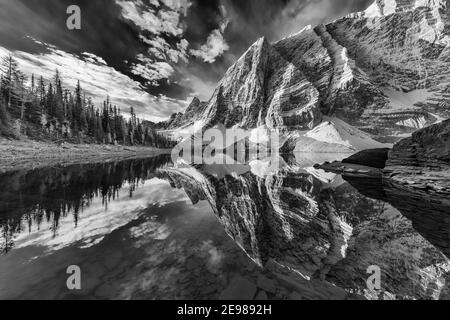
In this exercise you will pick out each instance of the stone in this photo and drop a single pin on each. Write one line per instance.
(296, 296)
(113, 259)
(266, 284)
(208, 290)
(261, 296)
(105, 291)
(239, 289)
(194, 264)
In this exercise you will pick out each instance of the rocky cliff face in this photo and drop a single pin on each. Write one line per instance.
(385, 70)
(178, 120)
(403, 48)
(423, 160)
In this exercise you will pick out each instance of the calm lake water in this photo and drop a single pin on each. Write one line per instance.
(142, 229)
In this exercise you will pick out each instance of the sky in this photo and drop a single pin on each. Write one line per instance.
(154, 55)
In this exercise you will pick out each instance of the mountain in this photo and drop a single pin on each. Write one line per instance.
(178, 120)
(334, 135)
(385, 71)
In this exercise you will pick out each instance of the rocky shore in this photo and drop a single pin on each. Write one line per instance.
(423, 160)
(367, 163)
(28, 154)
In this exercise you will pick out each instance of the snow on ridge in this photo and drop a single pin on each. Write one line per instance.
(336, 131)
(402, 101)
(381, 8)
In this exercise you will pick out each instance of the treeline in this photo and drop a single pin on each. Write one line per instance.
(43, 110)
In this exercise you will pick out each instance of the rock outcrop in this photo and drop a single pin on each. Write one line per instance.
(179, 120)
(375, 158)
(423, 160)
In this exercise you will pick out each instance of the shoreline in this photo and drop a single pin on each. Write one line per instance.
(29, 154)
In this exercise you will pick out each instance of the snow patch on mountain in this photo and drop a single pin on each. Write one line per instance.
(336, 131)
(381, 8)
(383, 71)
(399, 100)
(416, 123)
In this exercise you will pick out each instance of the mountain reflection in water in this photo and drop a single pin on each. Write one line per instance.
(143, 229)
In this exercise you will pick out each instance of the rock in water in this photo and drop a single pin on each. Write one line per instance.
(239, 289)
(375, 158)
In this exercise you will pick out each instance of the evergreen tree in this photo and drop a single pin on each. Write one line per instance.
(9, 68)
(56, 107)
(58, 104)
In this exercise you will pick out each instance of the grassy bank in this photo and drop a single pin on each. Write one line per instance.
(28, 154)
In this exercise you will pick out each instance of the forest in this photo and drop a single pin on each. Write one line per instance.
(47, 111)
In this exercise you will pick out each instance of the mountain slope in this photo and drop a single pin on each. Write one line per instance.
(385, 71)
(336, 131)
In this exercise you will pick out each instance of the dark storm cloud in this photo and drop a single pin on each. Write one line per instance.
(103, 33)
(183, 52)
(276, 19)
(249, 20)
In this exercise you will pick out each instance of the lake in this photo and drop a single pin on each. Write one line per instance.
(146, 229)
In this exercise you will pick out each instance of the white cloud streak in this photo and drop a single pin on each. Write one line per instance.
(98, 81)
(214, 47)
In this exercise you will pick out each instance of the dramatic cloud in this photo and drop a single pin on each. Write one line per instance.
(215, 46)
(160, 49)
(161, 30)
(154, 55)
(153, 18)
(98, 81)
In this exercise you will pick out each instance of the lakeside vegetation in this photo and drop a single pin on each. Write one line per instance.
(47, 111)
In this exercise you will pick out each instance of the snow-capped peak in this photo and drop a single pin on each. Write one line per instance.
(388, 7)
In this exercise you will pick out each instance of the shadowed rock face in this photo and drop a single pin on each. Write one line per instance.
(375, 158)
(177, 120)
(384, 70)
(423, 161)
(427, 148)
(323, 232)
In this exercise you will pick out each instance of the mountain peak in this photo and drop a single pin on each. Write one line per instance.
(388, 7)
(383, 76)
(260, 44)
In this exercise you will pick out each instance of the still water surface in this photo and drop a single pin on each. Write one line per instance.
(141, 229)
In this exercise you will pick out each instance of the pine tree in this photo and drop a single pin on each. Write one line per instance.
(33, 109)
(48, 101)
(58, 104)
(78, 108)
(9, 67)
(36, 103)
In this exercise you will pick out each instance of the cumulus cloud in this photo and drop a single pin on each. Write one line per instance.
(160, 23)
(214, 47)
(152, 70)
(154, 54)
(95, 222)
(160, 49)
(154, 19)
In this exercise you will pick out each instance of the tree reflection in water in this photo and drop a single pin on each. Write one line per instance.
(31, 197)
